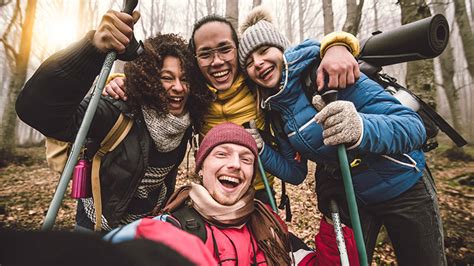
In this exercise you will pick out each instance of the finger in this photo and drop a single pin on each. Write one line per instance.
(350, 79)
(328, 111)
(118, 92)
(342, 80)
(104, 91)
(117, 88)
(329, 132)
(111, 92)
(356, 71)
(123, 19)
(333, 120)
(252, 124)
(320, 78)
(333, 80)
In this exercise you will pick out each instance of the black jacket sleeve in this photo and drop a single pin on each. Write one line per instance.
(52, 99)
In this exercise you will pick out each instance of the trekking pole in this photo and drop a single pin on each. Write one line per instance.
(262, 173)
(341, 245)
(129, 6)
(328, 97)
(267, 185)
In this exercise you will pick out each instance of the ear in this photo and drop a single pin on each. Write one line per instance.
(200, 174)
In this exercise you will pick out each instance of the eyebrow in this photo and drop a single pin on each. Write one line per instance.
(223, 43)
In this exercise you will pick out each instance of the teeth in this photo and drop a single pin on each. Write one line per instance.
(266, 72)
(220, 74)
(176, 99)
(229, 179)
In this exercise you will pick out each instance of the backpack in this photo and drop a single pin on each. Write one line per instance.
(432, 121)
(57, 153)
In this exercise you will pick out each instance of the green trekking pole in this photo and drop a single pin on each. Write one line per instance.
(129, 6)
(328, 97)
(248, 125)
(267, 185)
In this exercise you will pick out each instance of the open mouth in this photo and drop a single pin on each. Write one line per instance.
(229, 181)
(175, 101)
(221, 75)
(267, 73)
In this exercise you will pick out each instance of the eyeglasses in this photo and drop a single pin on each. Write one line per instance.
(225, 53)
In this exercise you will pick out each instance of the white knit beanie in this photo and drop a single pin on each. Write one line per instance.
(256, 31)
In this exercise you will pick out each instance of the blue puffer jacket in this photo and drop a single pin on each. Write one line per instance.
(389, 149)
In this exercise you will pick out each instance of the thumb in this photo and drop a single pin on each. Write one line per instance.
(136, 16)
(318, 102)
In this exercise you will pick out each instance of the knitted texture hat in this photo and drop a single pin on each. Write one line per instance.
(224, 133)
(257, 30)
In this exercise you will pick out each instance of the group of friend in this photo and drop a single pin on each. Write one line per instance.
(212, 86)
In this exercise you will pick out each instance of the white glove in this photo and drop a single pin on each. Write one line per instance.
(341, 122)
(255, 134)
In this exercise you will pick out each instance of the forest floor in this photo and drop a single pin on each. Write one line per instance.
(27, 186)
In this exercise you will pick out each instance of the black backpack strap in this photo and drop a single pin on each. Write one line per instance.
(190, 221)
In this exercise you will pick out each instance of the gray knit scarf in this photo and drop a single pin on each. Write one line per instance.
(166, 131)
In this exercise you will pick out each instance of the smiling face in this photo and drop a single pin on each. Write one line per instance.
(221, 70)
(227, 172)
(174, 82)
(264, 66)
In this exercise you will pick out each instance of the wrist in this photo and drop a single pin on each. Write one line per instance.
(340, 38)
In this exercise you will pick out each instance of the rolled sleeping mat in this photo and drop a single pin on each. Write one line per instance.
(422, 39)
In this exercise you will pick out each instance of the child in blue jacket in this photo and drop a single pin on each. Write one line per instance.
(383, 138)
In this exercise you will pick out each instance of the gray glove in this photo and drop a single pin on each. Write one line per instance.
(255, 134)
(318, 102)
(341, 122)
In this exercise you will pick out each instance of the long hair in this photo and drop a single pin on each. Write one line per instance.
(143, 79)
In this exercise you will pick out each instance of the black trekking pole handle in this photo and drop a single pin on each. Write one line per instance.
(129, 6)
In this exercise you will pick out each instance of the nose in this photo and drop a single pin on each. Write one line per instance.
(234, 162)
(178, 86)
(258, 61)
(216, 60)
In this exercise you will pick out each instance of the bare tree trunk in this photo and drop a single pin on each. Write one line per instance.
(446, 60)
(9, 119)
(209, 7)
(301, 19)
(328, 16)
(420, 74)
(256, 3)
(376, 15)
(354, 13)
(232, 12)
(195, 10)
(289, 20)
(467, 38)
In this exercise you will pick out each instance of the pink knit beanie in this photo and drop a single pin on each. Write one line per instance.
(225, 133)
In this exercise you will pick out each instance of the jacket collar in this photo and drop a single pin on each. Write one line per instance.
(237, 85)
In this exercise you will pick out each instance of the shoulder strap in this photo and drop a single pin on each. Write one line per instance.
(118, 132)
(188, 219)
(191, 222)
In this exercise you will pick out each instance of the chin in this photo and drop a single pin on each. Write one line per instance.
(225, 200)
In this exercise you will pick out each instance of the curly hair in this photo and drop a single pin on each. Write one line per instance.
(143, 82)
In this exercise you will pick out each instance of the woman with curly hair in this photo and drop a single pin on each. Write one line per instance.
(140, 173)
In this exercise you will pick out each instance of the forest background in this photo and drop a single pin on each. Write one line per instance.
(32, 30)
